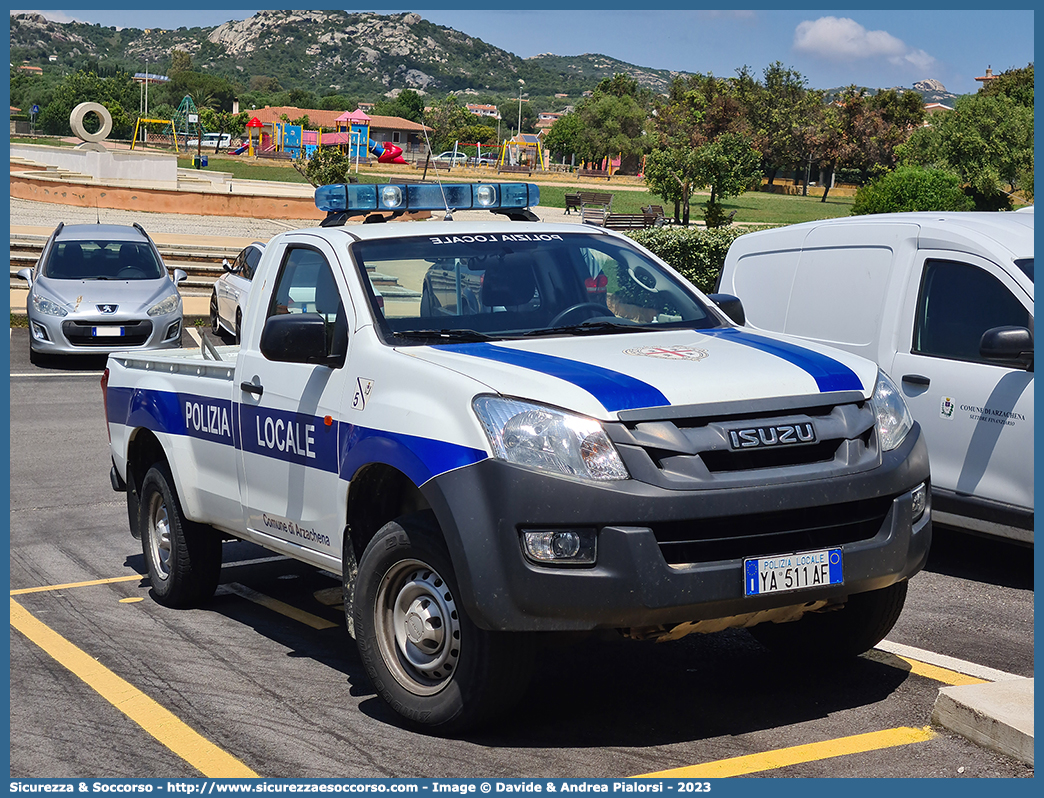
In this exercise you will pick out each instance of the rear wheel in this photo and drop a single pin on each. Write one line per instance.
(183, 557)
(848, 632)
(239, 326)
(426, 659)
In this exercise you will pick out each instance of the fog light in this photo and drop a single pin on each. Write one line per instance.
(173, 331)
(560, 546)
(920, 501)
(40, 332)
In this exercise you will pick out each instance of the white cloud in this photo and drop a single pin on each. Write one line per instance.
(843, 39)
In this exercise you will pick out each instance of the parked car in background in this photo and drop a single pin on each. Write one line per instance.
(944, 303)
(101, 288)
(232, 288)
(485, 160)
(450, 157)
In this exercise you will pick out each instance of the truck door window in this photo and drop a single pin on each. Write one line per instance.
(957, 304)
(306, 285)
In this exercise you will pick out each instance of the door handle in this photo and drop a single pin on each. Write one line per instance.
(916, 379)
(250, 387)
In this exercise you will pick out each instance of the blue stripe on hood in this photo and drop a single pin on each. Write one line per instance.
(829, 374)
(615, 391)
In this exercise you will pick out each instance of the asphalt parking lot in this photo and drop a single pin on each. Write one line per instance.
(265, 681)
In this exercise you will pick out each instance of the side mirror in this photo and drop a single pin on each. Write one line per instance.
(731, 306)
(180, 276)
(1008, 346)
(227, 266)
(27, 275)
(302, 338)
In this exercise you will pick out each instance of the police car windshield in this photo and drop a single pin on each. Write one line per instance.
(103, 260)
(506, 284)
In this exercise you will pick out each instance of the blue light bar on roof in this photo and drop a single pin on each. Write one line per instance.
(359, 198)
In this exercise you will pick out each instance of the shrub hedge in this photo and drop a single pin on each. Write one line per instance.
(696, 252)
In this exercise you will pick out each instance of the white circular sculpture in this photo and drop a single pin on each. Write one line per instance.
(78, 114)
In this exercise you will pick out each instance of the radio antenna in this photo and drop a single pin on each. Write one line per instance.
(449, 214)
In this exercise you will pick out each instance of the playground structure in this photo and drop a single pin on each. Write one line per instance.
(522, 148)
(167, 131)
(353, 134)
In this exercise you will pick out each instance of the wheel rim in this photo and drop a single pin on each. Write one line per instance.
(159, 535)
(418, 629)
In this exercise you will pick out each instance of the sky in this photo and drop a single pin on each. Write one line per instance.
(830, 47)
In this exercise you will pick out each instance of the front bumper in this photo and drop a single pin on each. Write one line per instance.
(482, 509)
(84, 334)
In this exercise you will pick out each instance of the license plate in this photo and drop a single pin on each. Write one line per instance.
(785, 572)
(108, 332)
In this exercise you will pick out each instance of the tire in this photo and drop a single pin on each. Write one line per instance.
(239, 326)
(215, 325)
(183, 557)
(841, 634)
(427, 661)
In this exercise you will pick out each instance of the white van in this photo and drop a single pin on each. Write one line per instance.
(944, 303)
(212, 140)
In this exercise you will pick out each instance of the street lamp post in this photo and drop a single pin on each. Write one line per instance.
(521, 83)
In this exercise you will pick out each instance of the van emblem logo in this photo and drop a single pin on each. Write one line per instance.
(774, 435)
(108, 308)
(668, 352)
(946, 409)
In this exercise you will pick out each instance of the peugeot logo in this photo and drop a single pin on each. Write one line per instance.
(108, 308)
(776, 435)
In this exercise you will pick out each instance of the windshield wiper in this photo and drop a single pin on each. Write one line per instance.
(444, 335)
(595, 328)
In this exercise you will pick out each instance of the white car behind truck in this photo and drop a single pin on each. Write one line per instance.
(944, 303)
(489, 429)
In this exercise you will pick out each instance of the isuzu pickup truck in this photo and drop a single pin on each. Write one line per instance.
(494, 429)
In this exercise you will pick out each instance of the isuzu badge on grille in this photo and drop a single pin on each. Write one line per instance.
(777, 435)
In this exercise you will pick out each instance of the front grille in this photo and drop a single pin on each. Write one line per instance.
(82, 333)
(762, 534)
(688, 450)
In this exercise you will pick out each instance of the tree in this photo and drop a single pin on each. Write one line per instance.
(987, 140)
(508, 110)
(565, 137)
(778, 110)
(912, 188)
(116, 94)
(180, 61)
(327, 166)
(406, 105)
(614, 120)
(447, 118)
(728, 166)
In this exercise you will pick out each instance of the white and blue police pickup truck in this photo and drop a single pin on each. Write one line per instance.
(492, 429)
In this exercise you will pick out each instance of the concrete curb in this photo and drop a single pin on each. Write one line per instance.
(997, 715)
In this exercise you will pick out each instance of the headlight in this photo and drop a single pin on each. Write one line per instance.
(893, 417)
(48, 307)
(168, 305)
(545, 439)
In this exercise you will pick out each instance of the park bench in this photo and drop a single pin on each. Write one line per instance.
(593, 173)
(631, 221)
(655, 210)
(521, 170)
(576, 200)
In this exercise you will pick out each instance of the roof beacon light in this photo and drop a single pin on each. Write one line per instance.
(343, 201)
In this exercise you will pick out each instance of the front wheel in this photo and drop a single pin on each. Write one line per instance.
(215, 325)
(848, 632)
(183, 557)
(424, 656)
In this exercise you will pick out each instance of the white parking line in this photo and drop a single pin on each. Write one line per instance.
(194, 335)
(943, 661)
(95, 374)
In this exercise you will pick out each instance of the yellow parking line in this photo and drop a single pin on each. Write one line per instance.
(277, 606)
(162, 724)
(47, 588)
(783, 757)
(934, 672)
